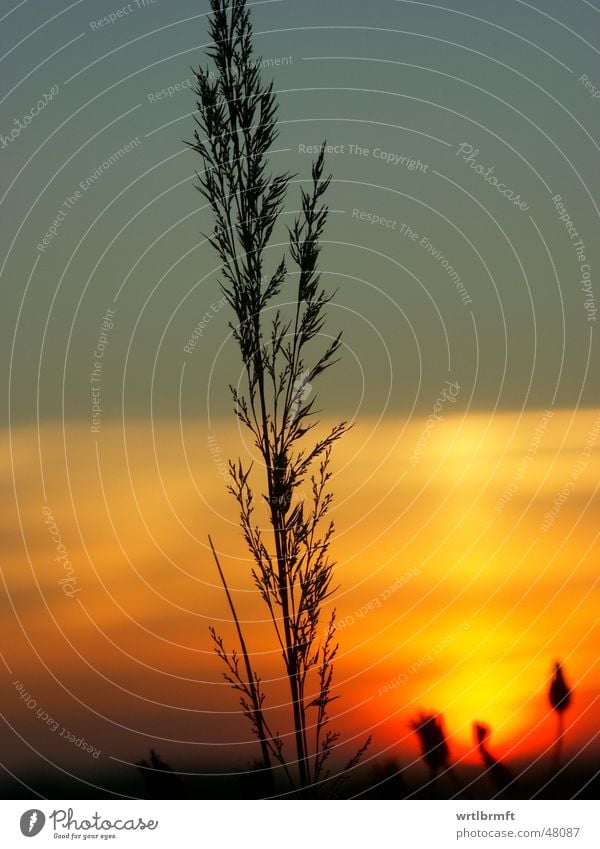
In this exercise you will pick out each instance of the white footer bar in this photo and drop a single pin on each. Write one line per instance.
(301, 824)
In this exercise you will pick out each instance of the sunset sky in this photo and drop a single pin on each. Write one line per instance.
(466, 544)
(446, 601)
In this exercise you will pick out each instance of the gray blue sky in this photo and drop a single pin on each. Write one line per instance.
(403, 79)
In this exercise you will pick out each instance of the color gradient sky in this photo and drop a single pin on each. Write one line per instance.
(470, 539)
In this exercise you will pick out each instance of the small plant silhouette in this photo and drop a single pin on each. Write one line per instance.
(559, 697)
(160, 780)
(434, 745)
(433, 742)
(236, 126)
(499, 774)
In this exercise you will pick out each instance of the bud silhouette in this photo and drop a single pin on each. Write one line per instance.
(560, 693)
(433, 741)
(560, 699)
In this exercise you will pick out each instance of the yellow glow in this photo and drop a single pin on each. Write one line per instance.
(135, 517)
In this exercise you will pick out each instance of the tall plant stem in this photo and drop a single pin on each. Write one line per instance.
(558, 746)
(277, 520)
(251, 680)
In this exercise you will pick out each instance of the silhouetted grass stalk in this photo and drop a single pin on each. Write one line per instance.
(251, 686)
(236, 127)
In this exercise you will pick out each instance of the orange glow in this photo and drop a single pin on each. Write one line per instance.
(462, 603)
